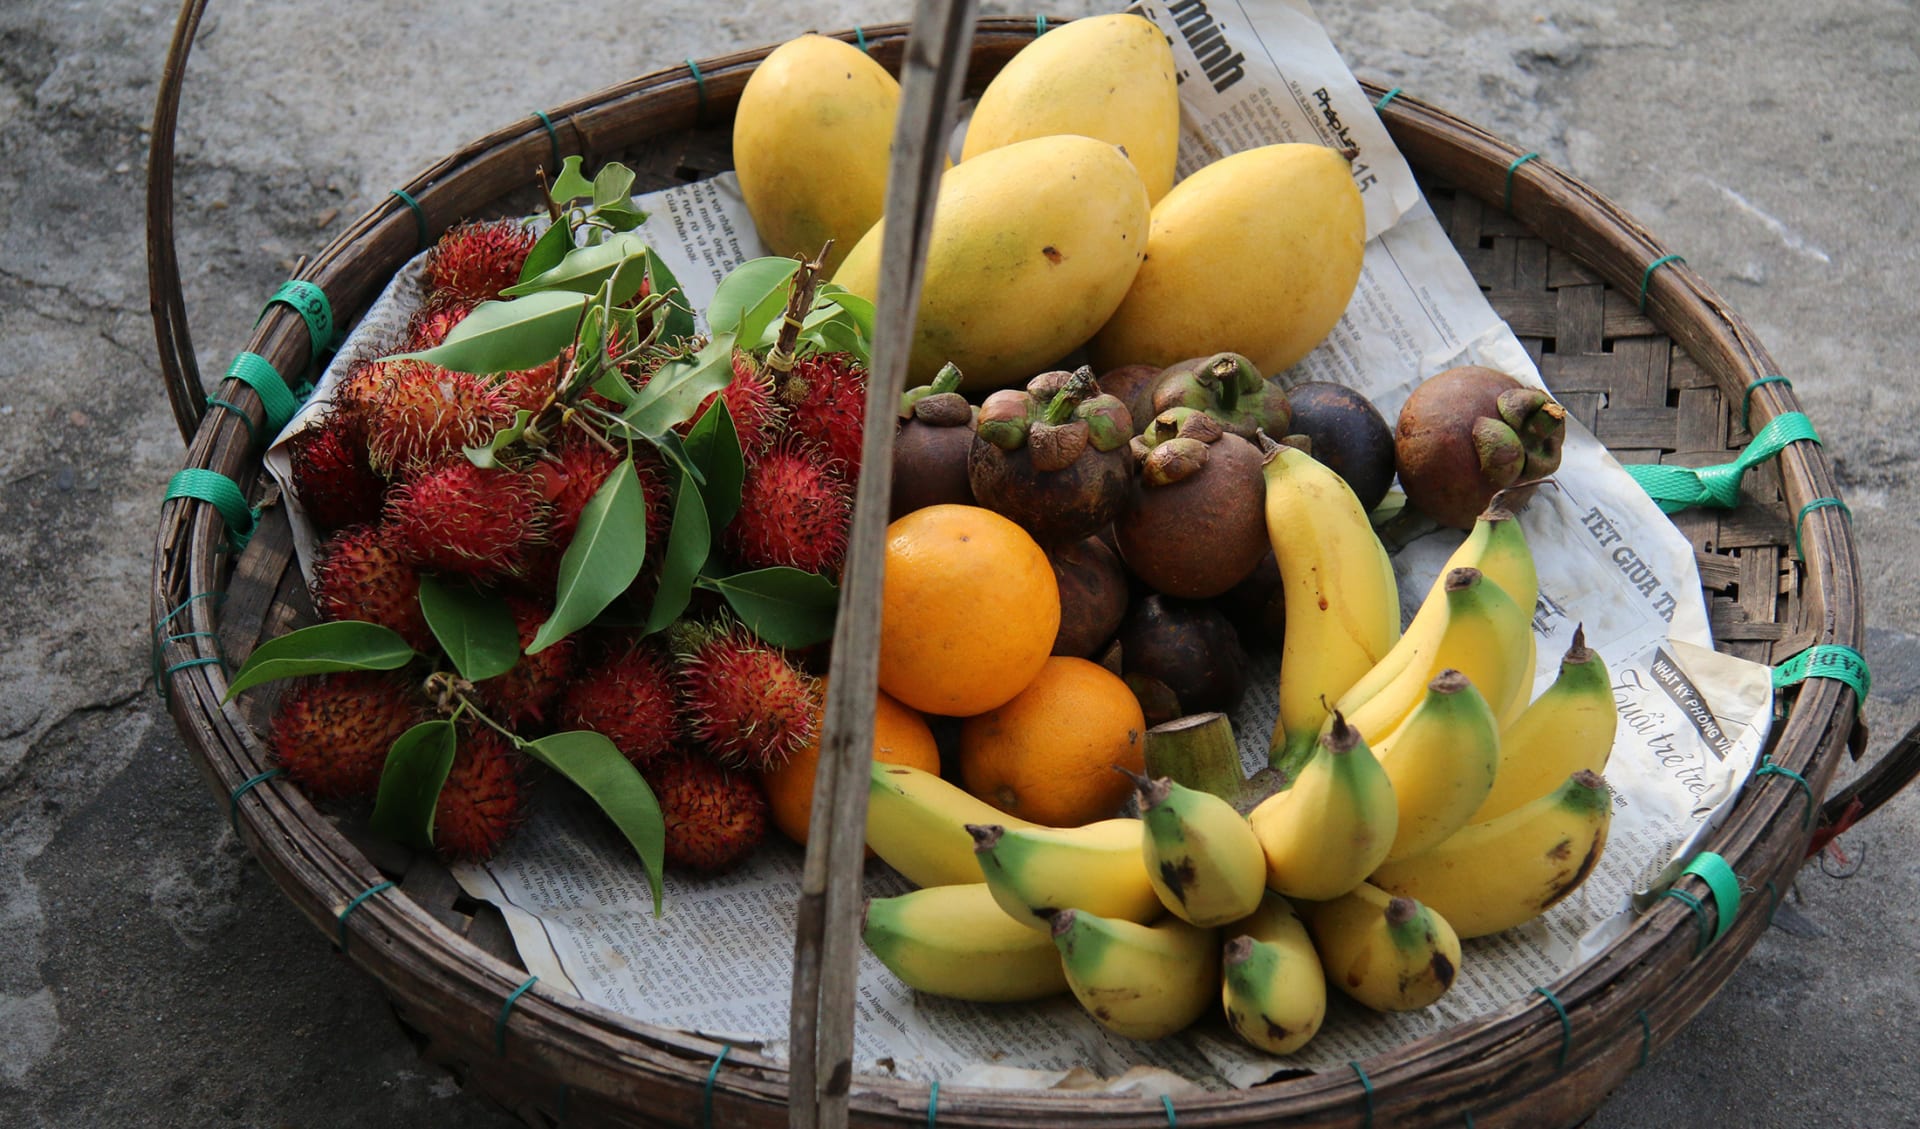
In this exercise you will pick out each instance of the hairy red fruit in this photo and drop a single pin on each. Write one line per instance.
(523, 695)
(432, 322)
(631, 698)
(794, 510)
(422, 415)
(714, 817)
(361, 575)
(757, 414)
(483, 799)
(826, 398)
(530, 389)
(331, 733)
(465, 519)
(476, 261)
(745, 702)
(579, 467)
(331, 476)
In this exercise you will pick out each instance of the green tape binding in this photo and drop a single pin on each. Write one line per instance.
(1674, 488)
(1173, 1119)
(1699, 915)
(223, 494)
(162, 684)
(355, 904)
(699, 86)
(1366, 1089)
(1566, 1027)
(860, 38)
(933, 1103)
(276, 399)
(247, 785)
(1768, 768)
(422, 233)
(706, 1093)
(1746, 401)
(1039, 26)
(506, 1009)
(1646, 279)
(1828, 660)
(1712, 869)
(310, 302)
(1386, 98)
(253, 432)
(1507, 201)
(553, 139)
(1816, 504)
(1646, 1037)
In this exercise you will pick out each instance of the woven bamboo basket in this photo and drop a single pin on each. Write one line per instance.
(1652, 361)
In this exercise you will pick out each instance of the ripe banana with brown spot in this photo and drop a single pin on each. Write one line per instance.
(1568, 728)
(1140, 981)
(917, 823)
(1324, 835)
(1389, 953)
(955, 941)
(1034, 872)
(1201, 855)
(1271, 982)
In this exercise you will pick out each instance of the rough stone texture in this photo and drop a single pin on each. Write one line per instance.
(152, 975)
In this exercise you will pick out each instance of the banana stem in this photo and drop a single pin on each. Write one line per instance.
(1198, 752)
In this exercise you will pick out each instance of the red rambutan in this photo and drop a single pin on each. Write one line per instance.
(529, 389)
(744, 702)
(579, 468)
(465, 519)
(631, 698)
(336, 486)
(794, 510)
(714, 817)
(361, 575)
(757, 415)
(422, 415)
(432, 322)
(523, 694)
(332, 733)
(476, 261)
(482, 800)
(826, 399)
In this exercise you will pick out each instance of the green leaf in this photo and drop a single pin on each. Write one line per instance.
(324, 648)
(612, 185)
(592, 762)
(548, 250)
(674, 392)
(570, 185)
(611, 384)
(674, 317)
(713, 446)
(510, 336)
(783, 606)
(752, 297)
(487, 457)
(860, 309)
(689, 542)
(603, 558)
(620, 217)
(585, 270)
(838, 333)
(475, 629)
(416, 768)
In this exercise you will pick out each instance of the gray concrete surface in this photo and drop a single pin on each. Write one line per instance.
(151, 975)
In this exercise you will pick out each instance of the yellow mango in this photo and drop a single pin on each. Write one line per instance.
(811, 143)
(1033, 246)
(1106, 77)
(1257, 254)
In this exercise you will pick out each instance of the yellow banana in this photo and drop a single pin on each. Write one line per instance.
(954, 941)
(1495, 875)
(917, 822)
(1343, 610)
(1389, 953)
(1035, 872)
(1507, 560)
(1202, 856)
(1140, 981)
(1271, 980)
(1325, 834)
(1568, 728)
(1441, 761)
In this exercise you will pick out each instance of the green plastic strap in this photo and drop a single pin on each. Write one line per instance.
(1646, 1037)
(1646, 279)
(1366, 1088)
(223, 494)
(699, 85)
(1712, 869)
(1039, 26)
(553, 139)
(1173, 1119)
(1746, 402)
(355, 904)
(253, 432)
(859, 37)
(1385, 98)
(310, 302)
(933, 1103)
(1827, 660)
(185, 664)
(1699, 916)
(1674, 488)
(706, 1094)
(1816, 504)
(420, 228)
(1507, 203)
(247, 785)
(216, 595)
(1769, 768)
(506, 1009)
(1566, 1027)
(276, 399)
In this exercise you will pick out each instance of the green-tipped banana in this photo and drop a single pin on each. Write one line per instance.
(917, 823)
(1034, 872)
(1140, 981)
(1391, 954)
(954, 941)
(1568, 728)
(1324, 835)
(1202, 856)
(1495, 875)
(1271, 979)
(1343, 609)
(1441, 761)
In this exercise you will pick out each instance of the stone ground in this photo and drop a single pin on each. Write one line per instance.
(150, 974)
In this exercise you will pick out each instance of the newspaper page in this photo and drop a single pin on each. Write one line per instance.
(1692, 721)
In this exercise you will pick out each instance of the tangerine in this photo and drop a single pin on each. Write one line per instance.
(900, 736)
(1049, 755)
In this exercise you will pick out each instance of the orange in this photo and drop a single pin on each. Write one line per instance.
(900, 736)
(969, 611)
(1049, 755)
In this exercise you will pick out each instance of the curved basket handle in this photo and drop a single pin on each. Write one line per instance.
(1896, 768)
(179, 372)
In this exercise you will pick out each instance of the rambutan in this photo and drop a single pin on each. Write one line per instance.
(714, 817)
(744, 702)
(529, 389)
(631, 698)
(826, 399)
(579, 468)
(757, 415)
(465, 519)
(523, 694)
(422, 415)
(432, 322)
(361, 575)
(476, 261)
(331, 476)
(331, 733)
(794, 510)
(483, 799)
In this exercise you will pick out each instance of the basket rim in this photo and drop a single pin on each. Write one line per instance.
(406, 947)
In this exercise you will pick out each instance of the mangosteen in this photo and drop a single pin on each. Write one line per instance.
(1348, 434)
(1093, 596)
(1189, 647)
(1196, 522)
(1133, 386)
(930, 449)
(1258, 605)
(1470, 432)
(1227, 387)
(1054, 457)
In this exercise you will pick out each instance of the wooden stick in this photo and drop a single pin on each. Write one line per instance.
(827, 922)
